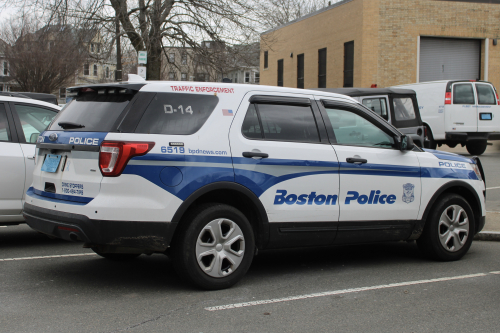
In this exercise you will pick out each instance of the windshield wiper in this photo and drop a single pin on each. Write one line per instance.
(68, 125)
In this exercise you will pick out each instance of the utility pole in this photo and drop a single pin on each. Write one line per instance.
(118, 73)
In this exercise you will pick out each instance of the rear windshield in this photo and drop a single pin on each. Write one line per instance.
(97, 113)
(177, 114)
(403, 109)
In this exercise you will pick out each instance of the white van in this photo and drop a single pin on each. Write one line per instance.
(458, 112)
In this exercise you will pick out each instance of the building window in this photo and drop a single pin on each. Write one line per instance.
(5, 68)
(184, 77)
(257, 77)
(322, 68)
(86, 69)
(62, 93)
(236, 78)
(171, 76)
(200, 77)
(300, 71)
(349, 64)
(94, 47)
(247, 77)
(107, 72)
(171, 58)
(280, 73)
(95, 70)
(266, 59)
(184, 59)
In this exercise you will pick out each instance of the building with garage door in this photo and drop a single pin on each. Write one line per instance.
(360, 43)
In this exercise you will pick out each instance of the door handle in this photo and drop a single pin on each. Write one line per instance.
(356, 160)
(250, 154)
(30, 157)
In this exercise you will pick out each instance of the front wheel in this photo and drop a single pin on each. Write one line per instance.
(215, 246)
(476, 147)
(449, 230)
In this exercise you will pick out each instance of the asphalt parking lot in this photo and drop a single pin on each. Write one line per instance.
(55, 286)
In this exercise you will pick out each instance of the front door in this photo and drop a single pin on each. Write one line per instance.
(281, 153)
(379, 184)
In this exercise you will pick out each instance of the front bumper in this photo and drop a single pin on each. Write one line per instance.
(148, 236)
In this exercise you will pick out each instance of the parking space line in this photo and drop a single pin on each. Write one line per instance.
(343, 291)
(493, 188)
(46, 257)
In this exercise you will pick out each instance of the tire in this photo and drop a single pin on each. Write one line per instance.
(476, 147)
(429, 139)
(117, 256)
(452, 145)
(446, 239)
(214, 247)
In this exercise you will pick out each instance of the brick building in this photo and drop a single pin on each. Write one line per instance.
(385, 42)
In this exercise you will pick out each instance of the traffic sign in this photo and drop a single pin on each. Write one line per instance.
(142, 57)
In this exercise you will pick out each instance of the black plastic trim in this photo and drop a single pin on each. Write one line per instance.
(269, 99)
(354, 232)
(12, 124)
(301, 234)
(132, 114)
(149, 236)
(57, 146)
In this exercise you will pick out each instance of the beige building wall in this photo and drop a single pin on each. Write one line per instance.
(385, 34)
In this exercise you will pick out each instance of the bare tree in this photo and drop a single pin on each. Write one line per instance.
(43, 57)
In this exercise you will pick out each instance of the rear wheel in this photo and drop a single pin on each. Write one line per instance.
(476, 147)
(429, 139)
(449, 230)
(116, 256)
(215, 246)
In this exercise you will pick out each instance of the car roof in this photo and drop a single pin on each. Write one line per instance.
(354, 92)
(29, 101)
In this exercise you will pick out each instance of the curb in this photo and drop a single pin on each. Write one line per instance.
(488, 236)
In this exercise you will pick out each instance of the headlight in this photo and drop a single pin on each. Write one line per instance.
(476, 170)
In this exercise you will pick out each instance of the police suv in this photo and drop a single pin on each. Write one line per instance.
(209, 173)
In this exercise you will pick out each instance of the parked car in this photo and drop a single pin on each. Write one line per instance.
(49, 98)
(21, 121)
(398, 107)
(210, 172)
(464, 112)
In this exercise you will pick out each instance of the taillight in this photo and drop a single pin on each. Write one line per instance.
(114, 155)
(447, 98)
(498, 100)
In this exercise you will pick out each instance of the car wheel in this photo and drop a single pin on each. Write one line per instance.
(476, 147)
(429, 139)
(449, 230)
(214, 247)
(116, 256)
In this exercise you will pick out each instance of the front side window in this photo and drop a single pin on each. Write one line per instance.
(353, 130)
(463, 94)
(280, 123)
(485, 94)
(177, 114)
(34, 120)
(4, 125)
(403, 109)
(377, 105)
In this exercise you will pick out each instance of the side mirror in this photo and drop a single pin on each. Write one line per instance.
(34, 137)
(406, 143)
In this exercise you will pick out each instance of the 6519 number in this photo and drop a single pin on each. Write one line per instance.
(171, 150)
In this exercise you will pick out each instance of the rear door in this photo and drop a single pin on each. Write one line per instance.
(281, 153)
(31, 120)
(11, 167)
(461, 115)
(488, 110)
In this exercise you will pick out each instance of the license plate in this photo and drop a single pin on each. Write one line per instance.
(51, 163)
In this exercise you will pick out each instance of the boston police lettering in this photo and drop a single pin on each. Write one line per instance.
(303, 199)
(373, 199)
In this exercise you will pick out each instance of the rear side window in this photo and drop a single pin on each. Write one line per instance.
(377, 105)
(4, 125)
(177, 114)
(463, 94)
(403, 109)
(96, 113)
(485, 94)
(280, 123)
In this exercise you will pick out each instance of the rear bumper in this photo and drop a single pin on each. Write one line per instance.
(471, 136)
(150, 236)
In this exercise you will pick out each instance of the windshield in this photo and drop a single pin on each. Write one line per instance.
(95, 113)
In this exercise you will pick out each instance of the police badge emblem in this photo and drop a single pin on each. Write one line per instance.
(408, 195)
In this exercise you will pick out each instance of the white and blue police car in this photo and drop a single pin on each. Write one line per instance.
(209, 173)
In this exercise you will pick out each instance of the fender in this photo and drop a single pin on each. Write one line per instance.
(264, 222)
(420, 224)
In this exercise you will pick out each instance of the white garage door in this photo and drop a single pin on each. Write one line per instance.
(449, 59)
